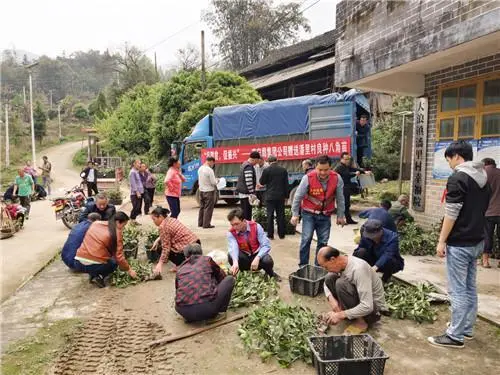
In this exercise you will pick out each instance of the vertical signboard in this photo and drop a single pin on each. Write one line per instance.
(421, 113)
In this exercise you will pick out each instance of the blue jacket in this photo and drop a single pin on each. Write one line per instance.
(382, 215)
(385, 251)
(74, 241)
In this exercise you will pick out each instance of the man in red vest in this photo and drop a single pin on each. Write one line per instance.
(249, 246)
(315, 198)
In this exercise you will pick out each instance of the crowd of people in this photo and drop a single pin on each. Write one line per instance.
(354, 287)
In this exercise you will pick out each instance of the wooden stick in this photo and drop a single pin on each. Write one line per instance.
(197, 331)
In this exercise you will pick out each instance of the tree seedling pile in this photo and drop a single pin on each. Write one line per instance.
(131, 236)
(279, 330)
(121, 279)
(251, 288)
(410, 302)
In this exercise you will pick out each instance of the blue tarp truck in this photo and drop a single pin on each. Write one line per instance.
(292, 129)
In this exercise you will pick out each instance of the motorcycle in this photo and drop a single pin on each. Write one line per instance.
(69, 207)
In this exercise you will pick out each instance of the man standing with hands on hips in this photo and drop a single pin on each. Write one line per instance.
(316, 196)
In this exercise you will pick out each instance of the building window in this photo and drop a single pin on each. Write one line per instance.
(469, 109)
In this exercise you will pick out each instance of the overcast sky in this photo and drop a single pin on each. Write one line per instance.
(50, 27)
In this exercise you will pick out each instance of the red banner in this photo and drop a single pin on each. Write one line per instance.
(283, 151)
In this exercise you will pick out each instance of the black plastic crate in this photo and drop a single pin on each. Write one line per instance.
(347, 355)
(307, 280)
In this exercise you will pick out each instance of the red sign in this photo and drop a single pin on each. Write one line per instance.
(283, 151)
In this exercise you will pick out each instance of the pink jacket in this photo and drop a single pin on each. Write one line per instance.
(173, 183)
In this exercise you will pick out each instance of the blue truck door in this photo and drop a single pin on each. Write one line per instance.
(191, 162)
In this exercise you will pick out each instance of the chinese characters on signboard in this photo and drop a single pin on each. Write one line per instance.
(283, 151)
(419, 154)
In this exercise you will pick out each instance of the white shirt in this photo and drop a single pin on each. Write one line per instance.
(91, 175)
(206, 179)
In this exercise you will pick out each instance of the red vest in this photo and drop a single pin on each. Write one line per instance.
(317, 201)
(250, 245)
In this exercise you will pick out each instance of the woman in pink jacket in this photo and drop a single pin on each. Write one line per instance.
(173, 186)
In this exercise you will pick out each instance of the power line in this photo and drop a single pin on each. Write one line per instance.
(171, 36)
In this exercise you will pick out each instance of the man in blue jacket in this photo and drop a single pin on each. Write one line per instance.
(100, 206)
(381, 213)
(75, 239)
(379, 247)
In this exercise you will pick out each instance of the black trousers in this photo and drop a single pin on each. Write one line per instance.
(149, 194)
(208, 310)
(359, 156)
(266, 263)
(347, 295)
(136, 206)
(277, 206)
(347, 199)
(174, 203)
(369, 257)
(246, 207)
(178, 258)
(207, 204)
(489, 232)
(91, 187)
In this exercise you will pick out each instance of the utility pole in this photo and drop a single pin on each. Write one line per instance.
(33, 152)
(156, 67)
(50, 91)
(59, 117)
(203, 72)
(7, 144)
(24, 95)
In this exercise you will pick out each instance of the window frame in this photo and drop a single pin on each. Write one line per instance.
(477, 112)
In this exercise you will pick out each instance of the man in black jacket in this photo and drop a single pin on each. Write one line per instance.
(100, 205)
(89, 174)
(347, 172)
(275, 179)
(245, 187)
(462, 240)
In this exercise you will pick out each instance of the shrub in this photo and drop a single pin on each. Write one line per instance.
(414, 240)
(52, 114)
(80, 158)
(80, 112)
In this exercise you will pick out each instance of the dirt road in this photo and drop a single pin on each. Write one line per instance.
(25, 253)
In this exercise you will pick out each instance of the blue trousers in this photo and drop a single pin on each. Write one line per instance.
(103, 269)
(310, 223)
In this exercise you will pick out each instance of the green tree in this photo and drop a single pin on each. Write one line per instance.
(386, 140)
(40, 122)
(98, 107)
(127, 129)
(249, 29)
(80, 112)
(182, 103)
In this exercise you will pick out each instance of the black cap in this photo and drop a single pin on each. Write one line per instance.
(371, 228)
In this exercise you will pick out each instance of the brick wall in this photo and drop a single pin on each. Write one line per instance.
(434, 211)
(373, 36)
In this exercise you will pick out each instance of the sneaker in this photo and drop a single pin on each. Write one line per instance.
(98, 280)
(468, 337)
(220, 316)
(445, 341)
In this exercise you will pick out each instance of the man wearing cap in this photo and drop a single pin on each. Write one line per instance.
(247, 180)
(275, 178)
(379, 247)
(318, 195)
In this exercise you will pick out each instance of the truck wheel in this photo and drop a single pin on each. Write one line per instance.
(231, 202)
(292, 196)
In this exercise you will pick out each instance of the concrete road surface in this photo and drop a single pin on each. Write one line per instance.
(30, 249)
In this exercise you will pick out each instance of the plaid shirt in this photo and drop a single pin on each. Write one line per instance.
(174, 236)
(196, 280)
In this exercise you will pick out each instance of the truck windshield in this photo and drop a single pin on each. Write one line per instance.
(192, 151)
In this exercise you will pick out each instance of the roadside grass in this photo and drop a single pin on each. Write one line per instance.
(33, 355)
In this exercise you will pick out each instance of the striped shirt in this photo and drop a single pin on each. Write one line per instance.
(174, 236)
